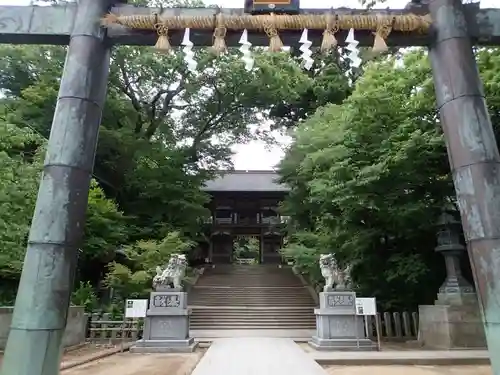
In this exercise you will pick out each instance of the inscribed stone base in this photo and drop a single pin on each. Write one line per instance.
(337, 325)
(167, 327)
(451, 326)
(164, 346)
(348, 344)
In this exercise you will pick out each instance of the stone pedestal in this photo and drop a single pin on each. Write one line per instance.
(337, 325)
(452, 323)
(166, 326)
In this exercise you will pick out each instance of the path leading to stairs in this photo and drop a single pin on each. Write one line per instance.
(255, 355)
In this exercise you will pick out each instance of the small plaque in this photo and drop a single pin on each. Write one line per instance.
(271, 2)
(272, 6)
(366, 306)
(340, 300)
(136, 308)
(165, 300)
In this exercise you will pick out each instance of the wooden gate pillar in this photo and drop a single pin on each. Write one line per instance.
(473, 156)
(43, 297)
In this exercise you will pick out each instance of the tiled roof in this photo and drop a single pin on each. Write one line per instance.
(246, 181)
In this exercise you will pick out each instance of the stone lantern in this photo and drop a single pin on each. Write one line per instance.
(454, 321)
(455, 289)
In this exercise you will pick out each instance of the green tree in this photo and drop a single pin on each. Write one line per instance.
(134, 280)
(370, 176)
(161, 123)
(21, 157)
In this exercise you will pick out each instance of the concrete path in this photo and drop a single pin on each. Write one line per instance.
(256, 356)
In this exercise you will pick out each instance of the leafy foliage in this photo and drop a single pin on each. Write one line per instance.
(21, 152)
(370, 176)
(246, 247)
(135, 280)
(84, 295)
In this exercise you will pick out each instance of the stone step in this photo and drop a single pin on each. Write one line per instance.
(254, 290)
(254, 321)
(196, 311)
(257, 320)
(257, 325)
(229, 301)
(290, 296)
(250, 304)
(263, 313)
(243, 303)
(247, 282)
(259, 310)
(249, 298)
(294, 296)
(251, 325)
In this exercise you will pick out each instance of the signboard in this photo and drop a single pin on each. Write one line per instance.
(136, 308)
(272, 6)
(366, 306)
(270, 2)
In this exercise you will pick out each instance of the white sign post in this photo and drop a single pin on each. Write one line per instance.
(368, 307)
(134, 309)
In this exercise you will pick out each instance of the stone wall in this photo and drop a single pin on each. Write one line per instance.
(75, 328)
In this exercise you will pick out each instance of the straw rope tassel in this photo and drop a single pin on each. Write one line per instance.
(272, 23)
(329, 41)
(381, 34)
(162, 44)
(219, 46)
(275, 43)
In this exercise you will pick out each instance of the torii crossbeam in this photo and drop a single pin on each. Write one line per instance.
(56, 233)
(53, 25)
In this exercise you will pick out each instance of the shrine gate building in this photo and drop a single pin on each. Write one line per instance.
(244, 204)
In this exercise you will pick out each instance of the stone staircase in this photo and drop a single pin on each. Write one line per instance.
(245, 297)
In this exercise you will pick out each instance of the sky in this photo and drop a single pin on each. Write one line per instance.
(256, 155)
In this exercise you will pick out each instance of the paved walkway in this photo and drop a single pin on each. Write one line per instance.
(256, 356)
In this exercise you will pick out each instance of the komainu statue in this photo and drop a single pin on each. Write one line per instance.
(328, 266)
(172, 274)
(333, 274)
(344, 278)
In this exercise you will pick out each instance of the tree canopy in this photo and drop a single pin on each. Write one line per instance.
(164, 132)
(370, 176)
(21, 156)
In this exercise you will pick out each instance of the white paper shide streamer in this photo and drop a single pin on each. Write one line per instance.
(188, 52)
(245, 50)
(305, 48)
(352, 47)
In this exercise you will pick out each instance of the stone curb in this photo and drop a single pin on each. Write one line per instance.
(403, 361)
(70, 349)
(94, 357)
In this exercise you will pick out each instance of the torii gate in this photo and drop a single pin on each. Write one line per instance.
(43, 297)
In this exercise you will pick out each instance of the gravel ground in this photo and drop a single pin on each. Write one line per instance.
(139, 364)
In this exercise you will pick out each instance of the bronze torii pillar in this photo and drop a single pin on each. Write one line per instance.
(473, 155)
(42, 302)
